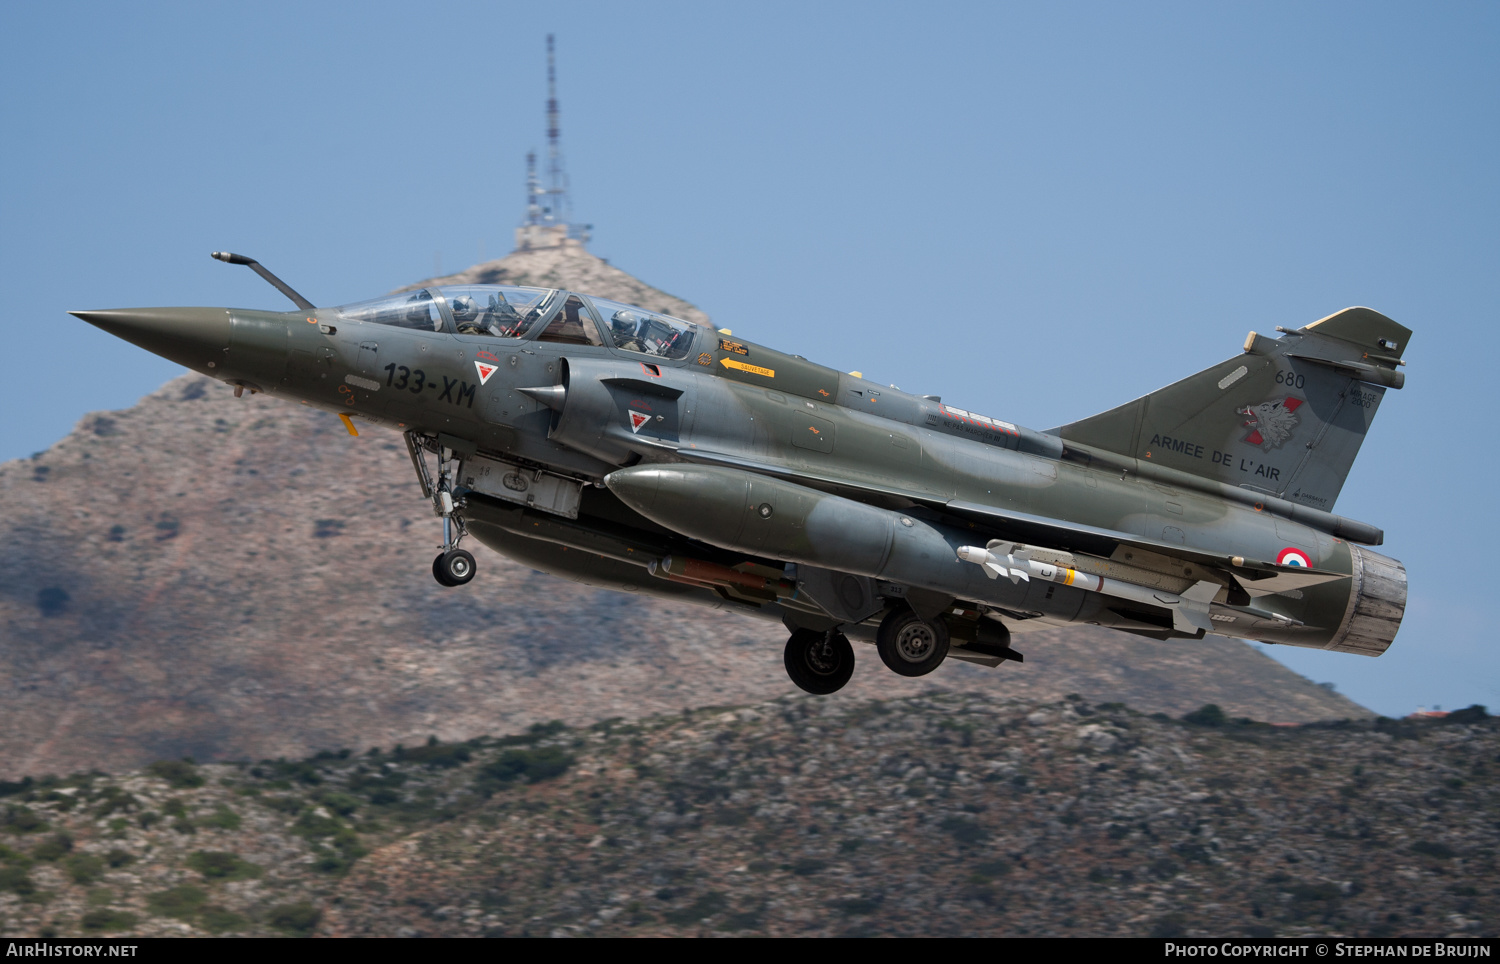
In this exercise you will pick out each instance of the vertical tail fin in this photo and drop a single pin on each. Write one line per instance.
(1286, 417)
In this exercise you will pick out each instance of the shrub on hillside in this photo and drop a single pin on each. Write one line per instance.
(533, 766)
(1207, 715)
(297, 919)
(181, 774)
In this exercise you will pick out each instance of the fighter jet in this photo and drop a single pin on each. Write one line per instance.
(626, 449)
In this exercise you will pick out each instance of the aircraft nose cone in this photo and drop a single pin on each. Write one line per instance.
(192, 337)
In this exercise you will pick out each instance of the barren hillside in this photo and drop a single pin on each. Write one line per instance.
(941, 815)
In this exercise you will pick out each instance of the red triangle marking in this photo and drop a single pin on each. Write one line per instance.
(637, 419)
(485, 371)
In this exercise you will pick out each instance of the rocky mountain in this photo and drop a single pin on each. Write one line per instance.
(943, 814)
(225, 579)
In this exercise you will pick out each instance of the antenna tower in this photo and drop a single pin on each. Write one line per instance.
(558, 207)
(533, 191)
(549, 211)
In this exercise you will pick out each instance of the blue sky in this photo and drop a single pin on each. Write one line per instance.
(1038, 211)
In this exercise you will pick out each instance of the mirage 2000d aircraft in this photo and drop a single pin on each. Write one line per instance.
(625, 449)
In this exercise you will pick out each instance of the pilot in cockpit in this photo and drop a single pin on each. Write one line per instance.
(499, 318)
(625, 327)
(464, 313)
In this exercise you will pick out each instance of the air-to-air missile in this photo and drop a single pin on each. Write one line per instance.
(623, 448)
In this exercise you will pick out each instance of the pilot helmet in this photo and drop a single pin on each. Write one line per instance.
(464, 309)
(624, 321)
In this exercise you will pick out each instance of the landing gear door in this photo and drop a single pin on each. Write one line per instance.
(845, 597)
(533, 488)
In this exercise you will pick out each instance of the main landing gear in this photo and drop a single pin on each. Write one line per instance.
(819, 662)
(910, 645)
(453, 566)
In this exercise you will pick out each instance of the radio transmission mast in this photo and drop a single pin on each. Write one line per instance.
(533, 191)
(549, 212)
(559, 208)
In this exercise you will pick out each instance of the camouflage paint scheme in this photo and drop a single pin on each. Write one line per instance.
(622, 449)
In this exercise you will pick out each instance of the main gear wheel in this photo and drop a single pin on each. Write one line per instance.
(819, 662)
(910, 645)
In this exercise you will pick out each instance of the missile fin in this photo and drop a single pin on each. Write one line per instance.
(1192, 612)
(1202, 592)
(1186, 620)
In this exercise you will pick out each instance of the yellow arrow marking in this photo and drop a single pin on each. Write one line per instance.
(746, 367)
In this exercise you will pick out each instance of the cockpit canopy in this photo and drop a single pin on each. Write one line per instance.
(413, 310)
(505, 311)
(502, 311)
(636, 329)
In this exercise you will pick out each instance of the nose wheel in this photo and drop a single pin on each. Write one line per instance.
(453, 566)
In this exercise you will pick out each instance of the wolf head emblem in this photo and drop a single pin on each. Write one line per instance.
(1270, 423)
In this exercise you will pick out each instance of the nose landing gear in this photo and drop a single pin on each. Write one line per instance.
(453, 566)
